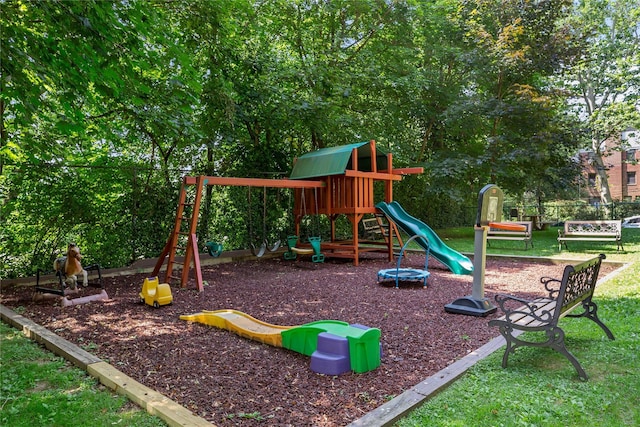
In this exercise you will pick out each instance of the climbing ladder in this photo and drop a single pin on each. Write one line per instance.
(388, 228)
(183, 238)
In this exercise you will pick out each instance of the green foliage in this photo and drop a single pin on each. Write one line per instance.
(106, 105)
(113, 217)
(39, 388)
(93, 94)
(604, 81)
(438, 208)
(80, 66)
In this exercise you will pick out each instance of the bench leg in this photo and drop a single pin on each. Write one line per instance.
(591, 312)
(556, 342)
(507, 333)
(510, 348)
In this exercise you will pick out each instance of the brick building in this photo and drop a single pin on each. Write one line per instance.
(623, 169)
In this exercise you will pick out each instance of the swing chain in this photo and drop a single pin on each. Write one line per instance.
(264, 245)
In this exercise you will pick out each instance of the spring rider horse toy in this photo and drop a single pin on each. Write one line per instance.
(67, 269)
(70, 267)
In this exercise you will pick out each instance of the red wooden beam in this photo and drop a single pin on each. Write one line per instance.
(406, 171)
(373, 175)
(255, 182)
(403, 171)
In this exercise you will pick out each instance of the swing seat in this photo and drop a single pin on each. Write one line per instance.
(259, 252)
(290, 254)
(315, 244)
(275, 246)
(314, 251)
(214, 249)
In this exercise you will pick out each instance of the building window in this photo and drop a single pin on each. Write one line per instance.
(592, 180)
(631, 154)
(594, 201)
(631, 178)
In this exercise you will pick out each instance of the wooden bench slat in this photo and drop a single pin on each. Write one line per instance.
(524, 319)
(589, 239)
(497, 237)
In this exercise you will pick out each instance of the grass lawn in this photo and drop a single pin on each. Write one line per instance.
(540, 387)
(38, 388)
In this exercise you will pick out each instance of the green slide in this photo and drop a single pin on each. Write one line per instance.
(452, 259)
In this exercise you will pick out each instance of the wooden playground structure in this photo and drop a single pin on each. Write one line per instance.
(332, 181)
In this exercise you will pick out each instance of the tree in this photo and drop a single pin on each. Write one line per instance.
(605, 81)
(91, 94)
(123, 98)
(496, 118)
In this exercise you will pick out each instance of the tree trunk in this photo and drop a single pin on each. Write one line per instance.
(205, 221)
(601, 171)
(3, 133)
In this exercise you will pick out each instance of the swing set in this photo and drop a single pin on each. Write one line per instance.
(339, 179)
(183, 237)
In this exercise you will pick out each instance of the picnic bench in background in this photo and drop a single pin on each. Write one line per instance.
(375, 228)
(590, 231)
(502, 234)
(542, 314)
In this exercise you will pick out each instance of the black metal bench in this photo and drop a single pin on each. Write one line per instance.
(542, 314)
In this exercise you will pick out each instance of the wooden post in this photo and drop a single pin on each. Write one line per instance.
(374, 164)
(192, 246)
(388, 190)
(196, 262)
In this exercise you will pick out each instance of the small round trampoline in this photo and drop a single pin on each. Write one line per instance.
(399, 274)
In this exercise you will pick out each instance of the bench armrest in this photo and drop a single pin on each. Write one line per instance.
(530, 309)
(504, 300)
(551, 285)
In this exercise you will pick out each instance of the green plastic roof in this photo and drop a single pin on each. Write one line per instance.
(335, 160)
